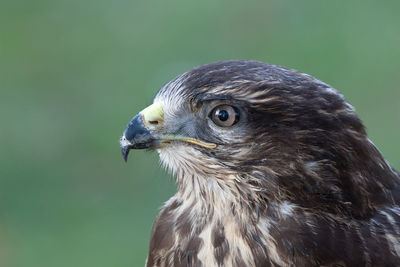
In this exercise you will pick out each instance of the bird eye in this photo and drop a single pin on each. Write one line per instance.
(225, 115)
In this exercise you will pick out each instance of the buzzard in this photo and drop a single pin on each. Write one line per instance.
(273, 168)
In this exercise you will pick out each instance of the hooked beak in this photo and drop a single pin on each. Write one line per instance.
(142, 132)
(137, 136)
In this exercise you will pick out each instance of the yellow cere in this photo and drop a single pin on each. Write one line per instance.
(153, 113)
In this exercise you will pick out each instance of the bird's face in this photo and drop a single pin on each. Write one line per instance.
(268, 126)
(261, 132)
(192, 131)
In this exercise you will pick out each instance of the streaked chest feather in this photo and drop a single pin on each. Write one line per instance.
(215, 221)
(188, 233)
(208, 223)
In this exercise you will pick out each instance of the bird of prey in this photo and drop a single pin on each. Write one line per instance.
(273, 168)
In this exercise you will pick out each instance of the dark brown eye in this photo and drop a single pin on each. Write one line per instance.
(225, 115)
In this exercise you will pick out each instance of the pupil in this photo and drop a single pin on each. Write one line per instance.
(223, 115)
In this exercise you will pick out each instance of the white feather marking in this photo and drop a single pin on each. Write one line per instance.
(395, 243)
(286, 208)
(392, 221)
(270, 243)
(206, 253)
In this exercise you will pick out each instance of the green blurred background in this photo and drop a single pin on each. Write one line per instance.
(73, 73)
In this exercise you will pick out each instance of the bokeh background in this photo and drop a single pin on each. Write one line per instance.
(73, 73)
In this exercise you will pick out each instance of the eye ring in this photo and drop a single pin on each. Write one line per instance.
(225, 115)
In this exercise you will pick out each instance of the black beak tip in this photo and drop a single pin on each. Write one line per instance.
(125, 152)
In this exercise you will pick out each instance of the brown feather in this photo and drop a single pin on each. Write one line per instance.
(296, 182)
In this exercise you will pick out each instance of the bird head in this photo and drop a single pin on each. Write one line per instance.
(261, 129)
